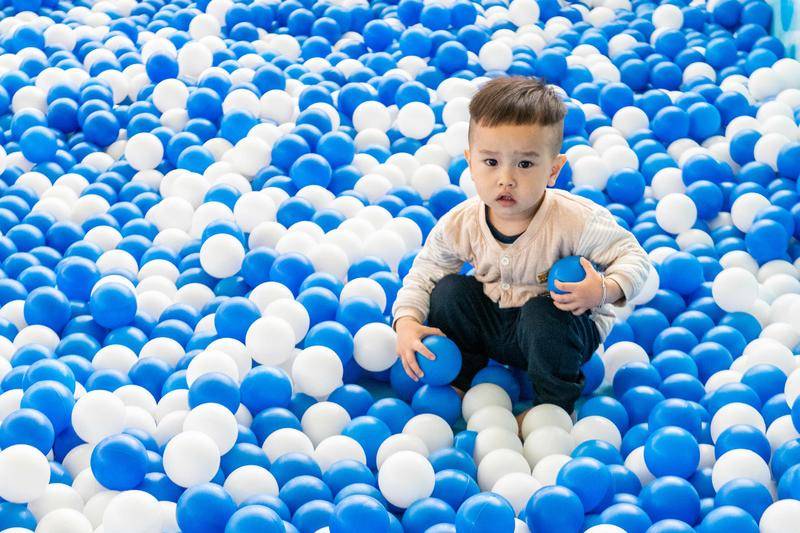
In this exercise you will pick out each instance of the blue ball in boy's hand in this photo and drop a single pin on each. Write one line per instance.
(566, 270)
(444, 369)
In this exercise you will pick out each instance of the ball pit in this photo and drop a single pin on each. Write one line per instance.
(207, 209)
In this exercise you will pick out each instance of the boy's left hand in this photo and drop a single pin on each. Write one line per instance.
(580, 296)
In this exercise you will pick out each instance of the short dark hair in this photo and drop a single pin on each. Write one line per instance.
(518, 100)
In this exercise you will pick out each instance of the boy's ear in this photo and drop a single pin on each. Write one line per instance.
(558, 163)
(466, 154)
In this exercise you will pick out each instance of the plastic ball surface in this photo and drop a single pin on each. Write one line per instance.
(209, 211)
(447, 363)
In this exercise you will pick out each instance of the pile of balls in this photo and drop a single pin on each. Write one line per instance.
(207, 209)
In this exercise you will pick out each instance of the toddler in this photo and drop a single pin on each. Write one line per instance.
(512, 232)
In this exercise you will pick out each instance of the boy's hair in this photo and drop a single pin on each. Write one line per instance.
(518, 100)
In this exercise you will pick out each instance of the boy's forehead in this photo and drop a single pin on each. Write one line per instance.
(512, 138)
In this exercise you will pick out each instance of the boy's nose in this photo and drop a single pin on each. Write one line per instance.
(505, 181)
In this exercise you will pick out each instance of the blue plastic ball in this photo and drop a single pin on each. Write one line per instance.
(359, 513)
(554, 509)
(113, 305)
(119, 462)
(672, 451)
(444, 369)
(566, 270)
(484, 512)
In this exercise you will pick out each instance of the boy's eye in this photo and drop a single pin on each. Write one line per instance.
(525, 164)
(490, 162)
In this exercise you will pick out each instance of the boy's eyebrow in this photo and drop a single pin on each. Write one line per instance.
(527, 153)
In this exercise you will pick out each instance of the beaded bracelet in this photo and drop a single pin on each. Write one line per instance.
(603, 283)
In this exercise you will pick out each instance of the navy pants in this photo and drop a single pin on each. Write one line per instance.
(549, 343)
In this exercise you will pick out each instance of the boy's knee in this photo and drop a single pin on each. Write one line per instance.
(452, 296)
(450, 286)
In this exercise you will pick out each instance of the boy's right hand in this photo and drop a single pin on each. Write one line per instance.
(409, 341)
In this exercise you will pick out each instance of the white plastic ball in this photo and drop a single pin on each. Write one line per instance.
(492, 439)
(546, 471)
(268, 292)
(768, 146)
(270, 340)
(338, 448)
(483, 395)
(191, 458)
(170, 94)
(317, 371)
(98, 414)
(331, 259)
(250, 480)
(364, 288)
(56, 496)
(253, 209)
(619, 354)
(523, 12)
(517, 488)
(596, 428)
(629, 120)
(740, 464)
(375, 347)
(434, 431)
(495, 55)
(416, 120)
(735, 289)
(405, 478)
(777, 515)
(668, 16)
(372, 115)
(323, 420)
(544, 415)
(211, 361)
(545, 441)
(765, 83)
(63, 521)
(144, 151)
(292, 312)
(733, 414)
(132, 511)
(287, 440)
(676, 213)
(746, 207)
(397, 443)
(499, 463)
(591, 171)
(493, 416)
(217, 422)
(24, 473)
(221, 255)
(428, 179)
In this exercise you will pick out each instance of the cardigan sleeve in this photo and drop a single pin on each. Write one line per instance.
(436, 259)
(615, 249)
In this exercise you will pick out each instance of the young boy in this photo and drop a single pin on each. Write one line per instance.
(512, 232)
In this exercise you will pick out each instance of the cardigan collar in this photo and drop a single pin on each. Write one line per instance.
(533, 227)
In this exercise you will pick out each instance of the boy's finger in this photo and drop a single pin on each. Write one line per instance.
(421, 348)
(434, 331)
(408, 370)
(412, 363)
(571, 306)
(562, 298)
(561, 306)
(566, 286)
(587, 265)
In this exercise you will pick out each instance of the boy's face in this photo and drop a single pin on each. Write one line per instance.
(512, 166)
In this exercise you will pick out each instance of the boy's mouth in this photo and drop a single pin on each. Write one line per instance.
(505, 200)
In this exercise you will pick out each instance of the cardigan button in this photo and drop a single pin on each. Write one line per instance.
(505, 260)
(505, 286)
